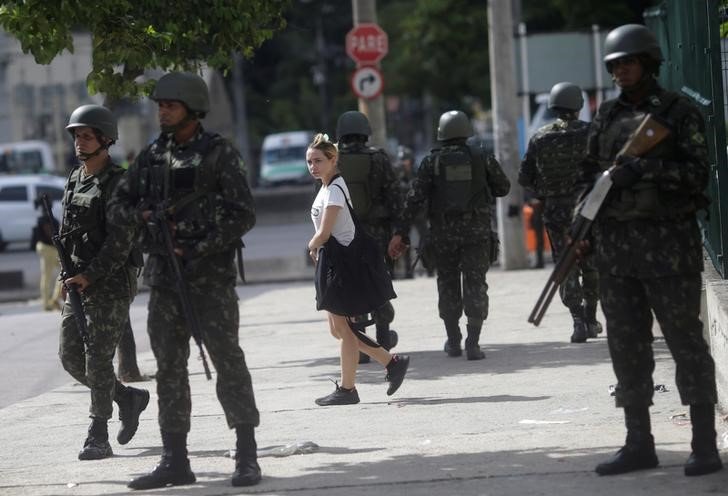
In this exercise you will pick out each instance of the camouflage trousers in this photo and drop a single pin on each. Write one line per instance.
(106, 316)
(382, 233)
(466, 258)
(582, 285)
(169, 336)
(628, 303)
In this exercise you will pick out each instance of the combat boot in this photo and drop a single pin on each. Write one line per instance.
(638, 452)
(579, 335)
(97, 444)
(132, 402)
(452, 345)
(247, 470)
(704, 458)
(174, 467)
(593, 327)
(472, 348)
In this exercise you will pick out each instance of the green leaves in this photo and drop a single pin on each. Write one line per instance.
(142, 34)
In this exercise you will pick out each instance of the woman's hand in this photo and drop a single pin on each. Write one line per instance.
(313, 254)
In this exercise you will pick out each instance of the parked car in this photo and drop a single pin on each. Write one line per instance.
(283, 159)
(18, 212)
(26, 157)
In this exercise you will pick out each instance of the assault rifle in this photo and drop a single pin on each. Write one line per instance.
(67, 270)
(160, 219)
(649, 133)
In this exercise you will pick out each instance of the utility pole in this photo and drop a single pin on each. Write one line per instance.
(241, 117)
(366, 11)
(505, 116)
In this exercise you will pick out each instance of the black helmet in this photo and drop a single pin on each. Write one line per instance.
(352, 122)
(185, 87)
(454, 124)
(94, 116)
(566, 96)
(631, 39)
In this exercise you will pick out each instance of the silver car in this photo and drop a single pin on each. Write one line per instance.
(18, 212)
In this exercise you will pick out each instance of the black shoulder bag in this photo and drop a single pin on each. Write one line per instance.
(352, 280)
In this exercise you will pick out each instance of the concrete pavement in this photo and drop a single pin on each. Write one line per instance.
(533, 418)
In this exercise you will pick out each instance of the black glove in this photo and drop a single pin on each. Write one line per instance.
(628, 171)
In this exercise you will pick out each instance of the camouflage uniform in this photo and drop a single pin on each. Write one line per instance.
(550, 170)
(101, 250)
(382, 191)
(648, 248)
(461, 239)
(405, 179)
(204, 179)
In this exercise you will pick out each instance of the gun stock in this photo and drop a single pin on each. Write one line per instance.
(190, 314)
(67, 270)
(648, 134)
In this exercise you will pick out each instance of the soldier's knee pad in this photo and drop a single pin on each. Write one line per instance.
(384, 314)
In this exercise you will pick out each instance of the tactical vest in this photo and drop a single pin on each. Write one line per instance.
(84, 220)
(559, 153)
(187, 188)
(355, 168)
(460, 184)
(644, 199)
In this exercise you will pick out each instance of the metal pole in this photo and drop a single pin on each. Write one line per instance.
(366, 11)
(525, 85)
(505, 115)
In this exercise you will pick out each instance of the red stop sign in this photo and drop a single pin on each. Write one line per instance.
(367, 43)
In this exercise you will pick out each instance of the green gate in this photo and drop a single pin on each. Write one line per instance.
(688, 32)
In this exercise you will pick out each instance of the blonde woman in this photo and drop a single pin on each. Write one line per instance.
(332, 218)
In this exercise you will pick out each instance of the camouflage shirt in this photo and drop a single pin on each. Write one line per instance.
(424, 186)
(552, 162)
(650, 229)
(98, 247)
(204, 181)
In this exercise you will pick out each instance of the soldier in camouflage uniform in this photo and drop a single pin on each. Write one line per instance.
(105, 268)
(648, 250)
(459, 182)
(196, 181)
(375, 197)
(549, 171)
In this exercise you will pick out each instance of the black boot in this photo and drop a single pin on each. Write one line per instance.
(452, 345)
(384, 337)
(638, 451)
(472, 348)
(132, 403)
(97, 444)
(247, 470)
(579, 335)
(593, 327)
(705, 458)
(174, 467)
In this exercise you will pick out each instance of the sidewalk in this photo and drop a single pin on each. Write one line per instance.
(533, 418)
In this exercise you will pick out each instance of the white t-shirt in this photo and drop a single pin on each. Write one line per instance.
(343, 229)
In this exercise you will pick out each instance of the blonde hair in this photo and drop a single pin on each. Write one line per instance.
(322, 142)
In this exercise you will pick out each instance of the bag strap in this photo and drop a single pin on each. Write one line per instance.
(351, 209)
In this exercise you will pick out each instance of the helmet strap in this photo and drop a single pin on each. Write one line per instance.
(84, 157)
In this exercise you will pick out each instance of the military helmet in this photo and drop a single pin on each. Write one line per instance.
(185, 87)
(454, 124)
(352, 122)
(94, 116)
(631, 39)
(566, 96)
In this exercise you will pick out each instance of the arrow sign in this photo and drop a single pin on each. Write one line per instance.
(367, 82)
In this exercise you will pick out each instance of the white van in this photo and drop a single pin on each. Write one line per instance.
(283, 159)
(26, 157)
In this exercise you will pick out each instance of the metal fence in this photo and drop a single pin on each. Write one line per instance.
(695, 65)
